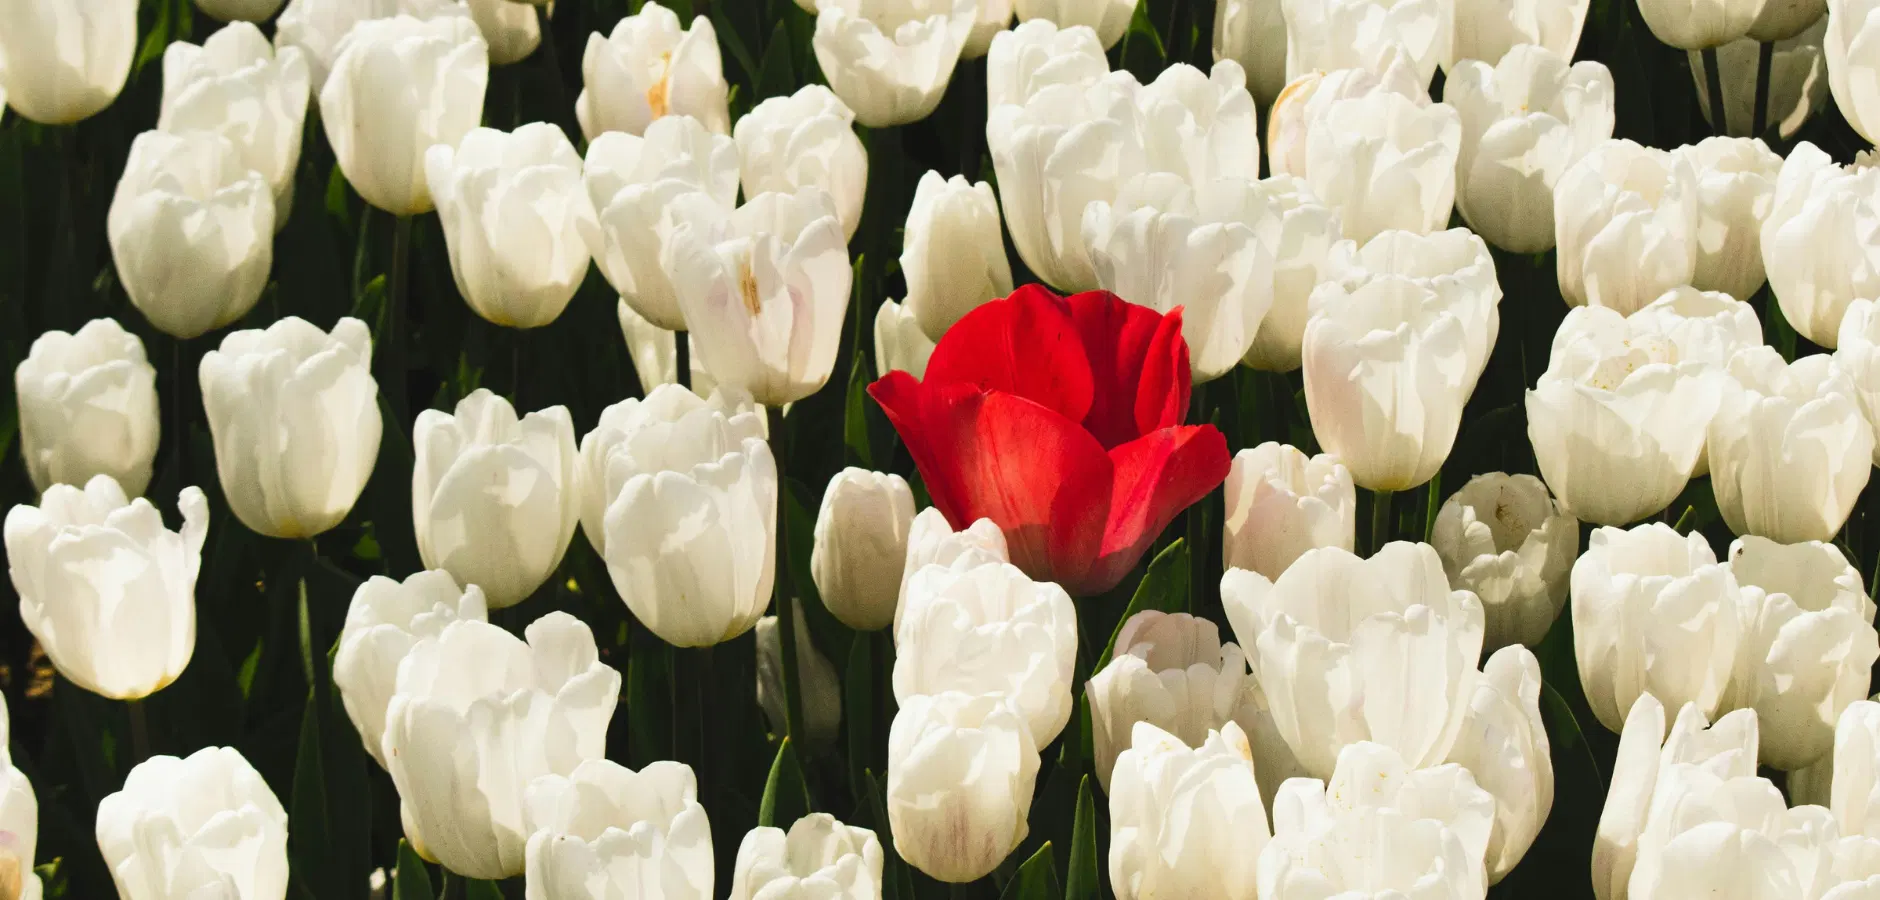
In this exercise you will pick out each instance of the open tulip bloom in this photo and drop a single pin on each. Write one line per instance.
(1060, 419)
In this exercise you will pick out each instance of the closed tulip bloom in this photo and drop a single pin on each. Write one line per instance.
(1170, 671)
(643, 189)
(891, 60)
(509, 28)
(1807, 648)
(495, 499)
(294, 412)
(1487, 29)
(1851, 60)
(1699, 24)
(861, 546)
(1036, 54)
(1617, 420)
(19, 819)
(931, 541)
(107, 590)
(604, 830)
(808, 138)
(1790, 449)
(61, 63)
(1307, 635)
(900, 345)
(191, 230)
(1525, 121)
(1858, 357)
(1653, 612)
(1855, 795)
(316, 26)
(1625, 221)
(477, 715)
(953, 253)
(1736, 180)
(1281, 503)
(961, 770)
(88, 406)
(202, 826)
(650, 67)
(1821, 241)
(1504, 745)
(1301, 233)
(1387, 372)
(1393, 164)
(399, 87)
(1327, 35)
(237, 86)
(1381, 829)
(671, 429)
(1505, 538)
(1300, 109)
(821, 693)
(1454, 268)
(239, 10)
(517, 221)
(1253, 33)
(765, 292)
(385, 620)
(1108, 18)
(988, 629)
(1798, 81)
(818, 858)
(1185, 822)
(1784, 19)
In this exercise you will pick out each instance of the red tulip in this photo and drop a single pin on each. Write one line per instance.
(1060, 420)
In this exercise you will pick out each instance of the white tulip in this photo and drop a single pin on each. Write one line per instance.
(1108, 18)
(476, 716)
(1699, 24)
(1386, 163)
(1170, 671)
(891, 60)
(1301, 233)
(294, 413)
(608, 829)
(672, 429)
(399, 87)
(495, 499)
(1790, 450)
(1454, 268)
(1504, 745)
(1335, 619)
(1653, 612)
(385, 620)
(1525, 121)
(961, 770)
(1784, 19)
(1821, 241)
(1253, 33)
(1185, 822)
(191, 230)
(860, 550)
(1734, 838)
(1855, 794)
(900, 344)
(1798, 81)
(1705, 326)
(19, 818)
(237, 86)
(1199, 125)
(1858, 357)
(931, 541)
(1851, 61)
(821, 693)
(509, 27)
(316, 26)
(61, 63)
(808, 138)
(1327, 35)
(1300, 109)
(107, 590)
(202, 826)
(88, 406)
(1808, 644)
(953, 252)
(818, 857)
(239, 10)
(1736, 181)
(655, 351)
(1626, 224)
(1282, 503)
(1505, 538)
(650, 67)
(1487, 29)
(1036, 54)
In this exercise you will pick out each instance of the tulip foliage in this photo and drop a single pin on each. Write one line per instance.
(1034, 449)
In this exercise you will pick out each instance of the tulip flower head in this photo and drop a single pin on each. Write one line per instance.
(202, 826)
(62, 63)
(1821, 241)
(650, 67)
(1855, 796)
(961, 770)
(1453, 267)
(1736, 181)
(1700, 24)
(1858, 357)
(1059, 420)
(1505, 538)
(1108, 18)
(655, 352)
(953, 254)
(1625, 222)
(672, 428)
(1487, 29)
(385, 620)
(1301, 107)
(1185, 822)
(1282, 503)
(1037, 54)
(316, 26)
(1851, 61)
(1253, 33)
(1327, 35)
(931, 541)
(860, 552)
(807, 139)
(1301, 233)
(818, 857)
(900, 345)
(239, 10)
(1798, 80)
(19, 816)
(238, 86)
(815, 675)
(1385, 162)
(891, 60)
(88, 406)
(1790, 449)
(1504, 746)
(1170, 671)
(608, 829)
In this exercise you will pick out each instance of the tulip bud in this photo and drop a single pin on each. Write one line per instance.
(316, 26)
(239, 10)
(1525, 121)
(1821, 241)
(807, 139)
(1301, 107)
(961, 770)
(1855, 795)
(62, 63)
(953, 254)
(237, 86)
(1504, 746)
(1736, 180)
(1503, 537)
(1798, 81)
(1790, 450)
(509, 27)
(386, 619)
(1699, 24)
(1386, 163)
(1858, 357)
(1851, 61)
(891, 61)
(819, 855)
(1653, 613)
(88, 406)
(900, 345)
(988, 629)
(1327, 35)
(673, 428)
(1625, 220)
(861, 546)
(477, 716)
(192, 231)
(399, 87)
(516, 219)
(1807, 648)
(1300, 232)
(655, 351)
(1453, 266)
(1487, 29)
(821, 693)
(606, 830)
(1108, 18)
(650, 67)
(1281, 503)
(1170, 671)
(494, 499)
(1253, 33)
(931, 541)
(19, 822)
(77, 553)
(1307, 637)
(765, 293)
(1650, 405)
(1185, 822)
(1036, 54)
(1781, 20)
(203, 826)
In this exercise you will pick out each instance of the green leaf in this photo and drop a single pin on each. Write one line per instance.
(309, 831)
(1036, 879)
(855, 413)
(786, 795)
(474, 889)
(411, 881)
(1083, 879)
(1164, 587)
(896, 882)
(858, 707)
(775, 76)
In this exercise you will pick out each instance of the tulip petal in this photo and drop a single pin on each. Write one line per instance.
(1138, 364)
(1156, 477)
(1027, 345)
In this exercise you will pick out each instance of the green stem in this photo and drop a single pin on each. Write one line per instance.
(1381, 526)
(1713, 84)
(179, 411)
(393, 344)
(1765, 61)
(682, 359)
(785, 609)
(140, 730)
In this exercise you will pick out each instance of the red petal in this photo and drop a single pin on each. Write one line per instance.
(1037, 474)
(1026, 345)
(1157, 476)
(1138, 365)
(899, 395)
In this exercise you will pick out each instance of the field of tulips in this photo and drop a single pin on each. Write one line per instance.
(928, 449)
